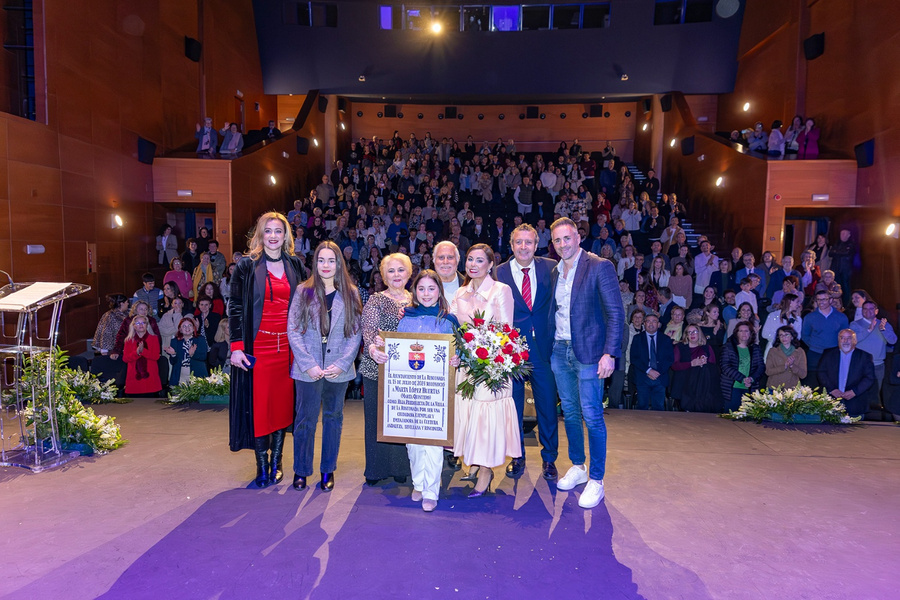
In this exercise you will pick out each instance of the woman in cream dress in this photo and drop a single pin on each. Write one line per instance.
(487, 429)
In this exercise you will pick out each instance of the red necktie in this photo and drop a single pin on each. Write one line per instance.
(526, 287)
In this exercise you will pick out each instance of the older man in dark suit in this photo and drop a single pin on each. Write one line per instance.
(652, 355)
(588, 325)
(848, 374)
(530, 278)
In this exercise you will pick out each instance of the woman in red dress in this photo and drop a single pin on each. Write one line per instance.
(262, 392)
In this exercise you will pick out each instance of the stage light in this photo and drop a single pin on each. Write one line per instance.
(893, 230)
(673, 142)
(272, 180)
(316, 142)
(720, 181)
(436, 27)
(746, 106)
(116, 221)
(645, 126)
(343, 127)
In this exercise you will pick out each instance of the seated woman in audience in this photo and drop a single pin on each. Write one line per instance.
(682, 286)
(786, 360)
(233, 140)
(650, 297)
(181, 278)
(141, 353)
(675, 327)
(168, 323)
(683, 257)
(214, 293)
(659, 275)
(695, 378)
(742, 366)
(857, 299)
(626, 261)
(820, 250)
(639, 305)
(713, 328)
(787, 313)
(108, 327)
(219, 356)
(810, 274)
(171, 292)
(723, 279)
(744, 314)
(708, 297)
(202, 274)
(138, 309)
(187, 353)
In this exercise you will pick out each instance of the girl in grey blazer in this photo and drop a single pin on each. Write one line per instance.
(324, 330)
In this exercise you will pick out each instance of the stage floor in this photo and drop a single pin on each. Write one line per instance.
(697, 507)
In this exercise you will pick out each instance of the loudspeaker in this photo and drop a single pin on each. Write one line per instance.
(146, 151)
(865, 154)
(531, 112)
(596, 111)
(323, 104)
(342, 105)
(687, 146)
(450, 112)
(192, 48)
(390, 111)
(666, 102)
(814, 46)
(302, 145)
(647, 105)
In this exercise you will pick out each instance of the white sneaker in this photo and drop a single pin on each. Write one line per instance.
(416, 496)
(576, 475)
(592, 494)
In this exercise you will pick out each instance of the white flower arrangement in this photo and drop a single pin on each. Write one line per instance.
(791, 404)
(217, 384)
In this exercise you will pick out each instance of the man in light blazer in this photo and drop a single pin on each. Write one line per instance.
(526, 274)
(587, 338)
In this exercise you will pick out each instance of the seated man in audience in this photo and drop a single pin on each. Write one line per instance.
(758, 139)
(820, 333)
(149, 294)
(874, 335)
(749, 266)
(652, 355)
(271, 132)
(776, 277)
(789, 285)
(847, 373)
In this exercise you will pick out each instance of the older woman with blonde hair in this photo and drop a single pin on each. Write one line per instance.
(261, 407)
(382, 313)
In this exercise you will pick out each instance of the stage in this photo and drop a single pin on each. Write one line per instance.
(697, 507)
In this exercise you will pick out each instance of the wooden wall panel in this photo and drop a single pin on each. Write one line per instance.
(530, 135)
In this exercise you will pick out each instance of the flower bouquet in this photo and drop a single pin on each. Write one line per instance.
(790, 406)
(217, 384)
(492, 353)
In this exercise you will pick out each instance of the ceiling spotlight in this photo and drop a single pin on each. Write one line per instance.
(316, 142)
(720, 181)
(893, 230)
(399, 115)
(272, 180)
(672, 143)
(116, 221)
(362, 78)
(343, 127)
(436, 27)
(562, 115)
(606, 115)
(584, 115)
(627, 113)
(359, 113)
(543, 115)
(624, 76)
(379, 114)
(440, 115)
(481, 116)
(746, 106)
(501, 116)
(645, 126)
(420, 115)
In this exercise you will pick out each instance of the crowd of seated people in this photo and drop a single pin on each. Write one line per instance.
(799, 140)
(725, 323)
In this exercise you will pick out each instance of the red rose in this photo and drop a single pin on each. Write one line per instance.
(506, 328)
(482, 353)
(516, 359)
(513, 335)
(492, 328)
(508, 349)
(498, 359)
(524, 354)
(478, 322)
(468, 336)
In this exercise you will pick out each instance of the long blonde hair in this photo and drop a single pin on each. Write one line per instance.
(255, 243)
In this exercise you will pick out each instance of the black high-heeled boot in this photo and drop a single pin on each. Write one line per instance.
(276, 474)
(261, 447)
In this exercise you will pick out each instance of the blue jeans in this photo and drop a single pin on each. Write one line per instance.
(310, 396)
(581, 396)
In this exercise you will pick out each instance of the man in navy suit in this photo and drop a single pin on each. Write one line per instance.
(529, 278)
(848, 374)
(588, 321)
(652, 355)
